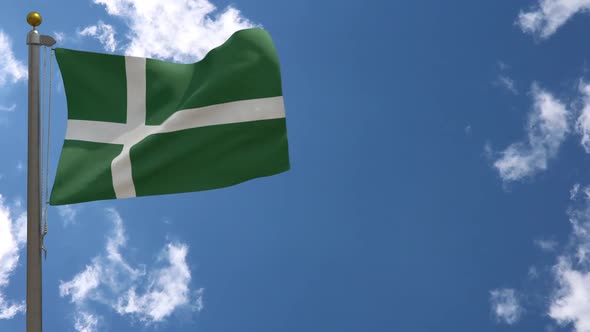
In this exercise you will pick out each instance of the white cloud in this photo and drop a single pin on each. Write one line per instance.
(505, 305)
(546, 130)
(86, 322)
(546, 245)
(574, 191)
(149, 296)
(580, 220)
(11, 69)
(18, 202)
(571, 303)
(105, 33)
(80, 287)
(19, 166)
(583, 122)
(507, 83)
(13, 235)
(109, 269)
(67, 213)
(10, 108)
(547, 16)
(468, 130)
(167, 289)
(179, 30)
(569, 297)
(117, 264)
(503, 65)
(9, 310)
(59, 37)
(198, 304)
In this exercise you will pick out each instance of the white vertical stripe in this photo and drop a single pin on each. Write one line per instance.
(135, 73)
(122, 174)
(121, 166)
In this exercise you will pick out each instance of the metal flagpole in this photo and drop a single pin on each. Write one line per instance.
(34, 300)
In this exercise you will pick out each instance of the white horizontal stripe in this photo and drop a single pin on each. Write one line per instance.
(234, 112)
(226, 113)
(95, 131)
(135, 130)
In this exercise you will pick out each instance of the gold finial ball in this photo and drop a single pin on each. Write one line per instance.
(34, 19)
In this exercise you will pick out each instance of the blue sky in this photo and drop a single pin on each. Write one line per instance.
(438, 182)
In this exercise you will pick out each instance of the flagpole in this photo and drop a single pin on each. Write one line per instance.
(34, 290)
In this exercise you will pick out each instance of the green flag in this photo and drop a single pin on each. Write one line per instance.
(139, 127)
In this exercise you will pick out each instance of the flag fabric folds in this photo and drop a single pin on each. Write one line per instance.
(139, 127)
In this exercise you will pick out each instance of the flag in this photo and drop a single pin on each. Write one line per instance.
(139, 127)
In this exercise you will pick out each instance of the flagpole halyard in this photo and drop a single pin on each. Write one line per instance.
(34, 289)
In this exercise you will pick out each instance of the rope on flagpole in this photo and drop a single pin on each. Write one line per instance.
(42, 114)
(47, 107)
(42, 139)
